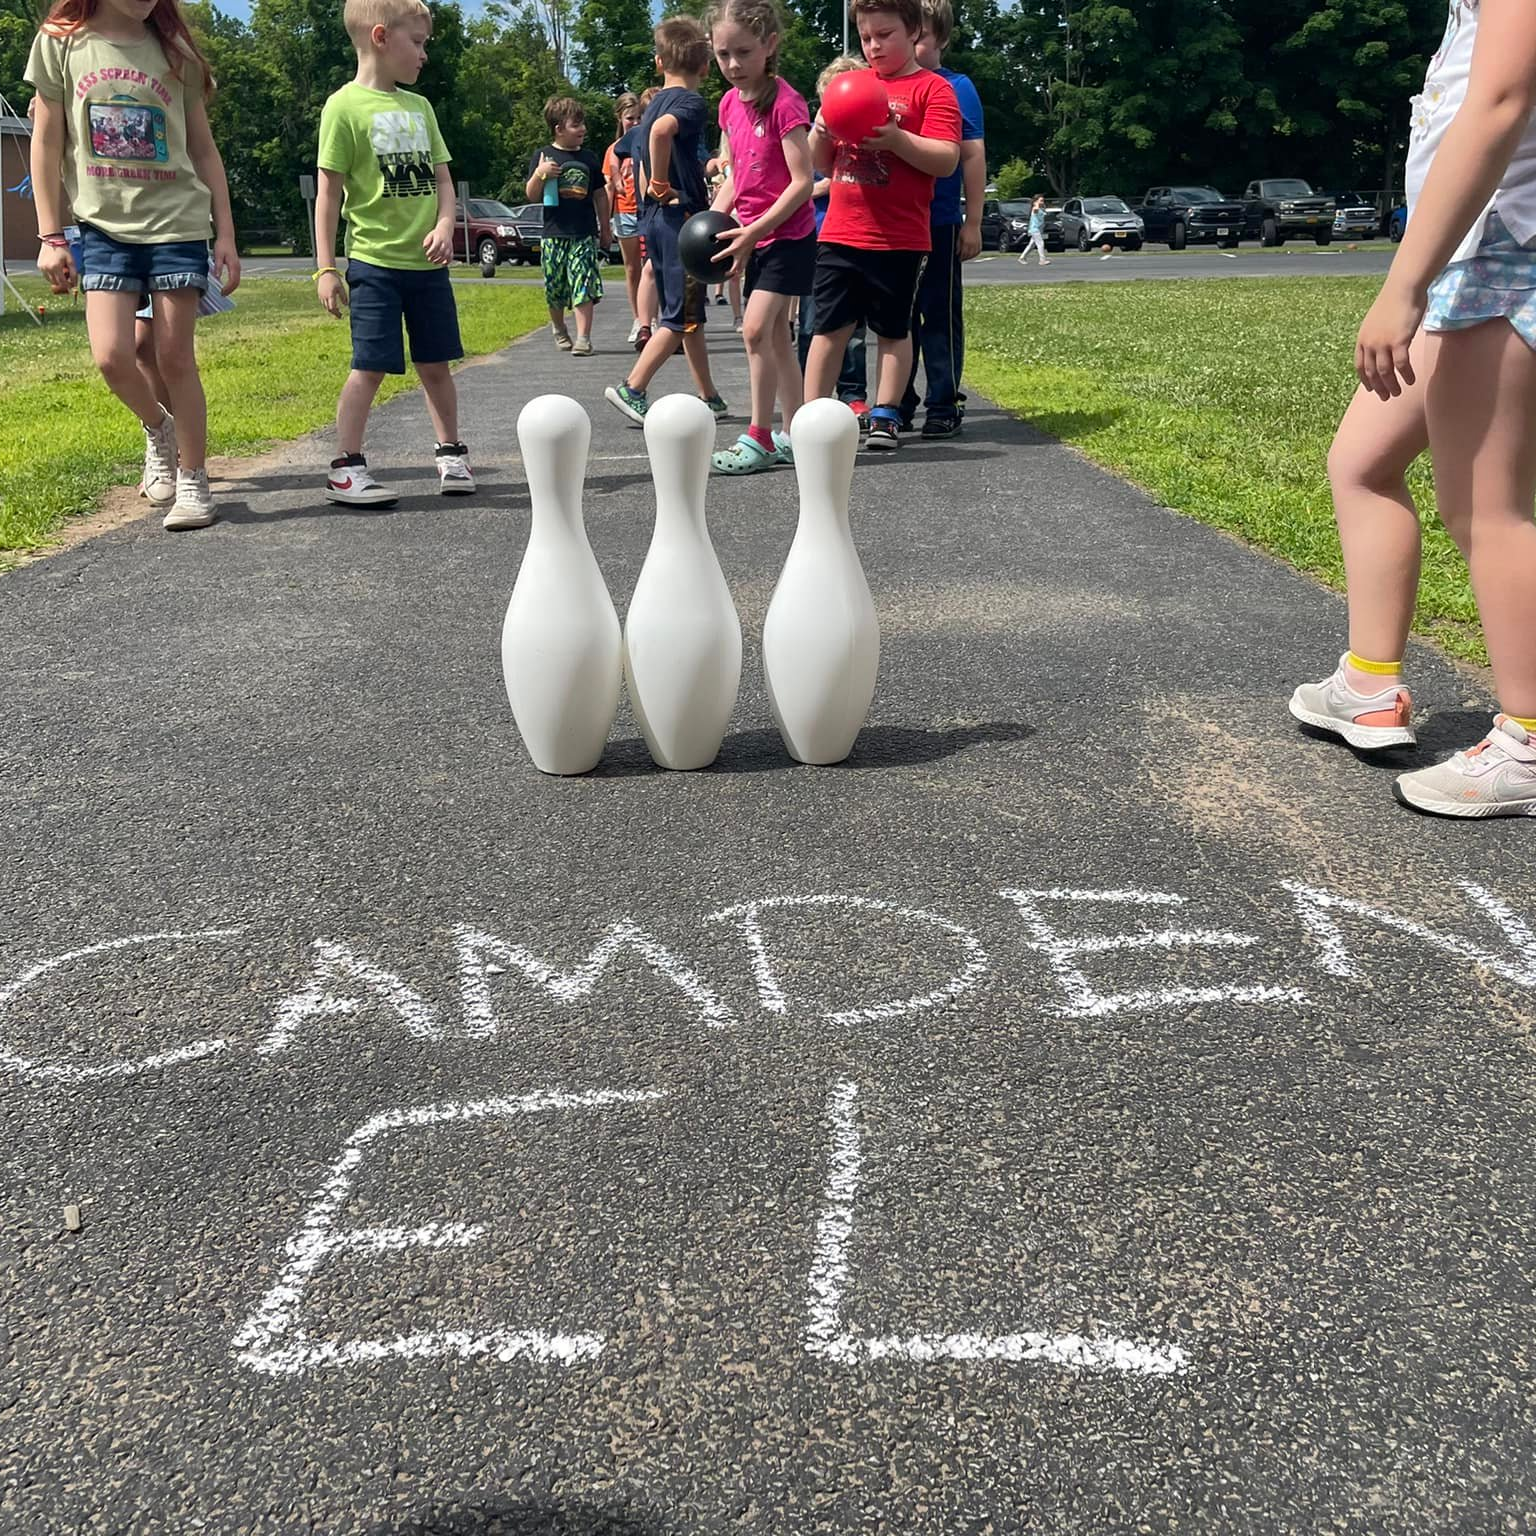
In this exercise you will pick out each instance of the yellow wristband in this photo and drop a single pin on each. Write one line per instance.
(315, 277)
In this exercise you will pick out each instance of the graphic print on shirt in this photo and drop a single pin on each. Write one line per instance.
(404, 148)
(125, 128)
(867, 167)
(575, 182)
(1425, 107)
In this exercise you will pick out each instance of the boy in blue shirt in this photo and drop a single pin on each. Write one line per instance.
(669, 187)
(938, 320)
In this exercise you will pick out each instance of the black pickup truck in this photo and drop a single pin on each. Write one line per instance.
(1275, 210)
(1180, 216)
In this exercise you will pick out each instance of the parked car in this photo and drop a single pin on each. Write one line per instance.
(529, 221)
(1054, 239)
(1090, 221)
(1191, 216)
(1355, 216)
(991, 225)
(493, 234)
(1397, 223)
(1015, 221)
(1276, 209)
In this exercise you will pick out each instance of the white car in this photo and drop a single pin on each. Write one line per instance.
(1090, 221)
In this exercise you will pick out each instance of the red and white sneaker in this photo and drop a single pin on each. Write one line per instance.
(453, 474)
(1367, 721)
(350, 484)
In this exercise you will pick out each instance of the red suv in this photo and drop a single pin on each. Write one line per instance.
(493, 236)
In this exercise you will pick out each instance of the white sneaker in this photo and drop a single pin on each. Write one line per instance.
(453, 475)
(634, 331)
(349, 484)
(194, 504)
(159, 482)
(1497, 777)
(1369, 721)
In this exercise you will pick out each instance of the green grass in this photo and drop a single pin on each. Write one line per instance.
(272, 369)
(1218, 397)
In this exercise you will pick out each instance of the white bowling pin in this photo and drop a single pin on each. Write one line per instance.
(821, 639)
(682, 638)
(560, 645)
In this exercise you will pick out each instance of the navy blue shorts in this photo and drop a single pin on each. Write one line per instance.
(681, 301)
(118, 266)
(379, 298)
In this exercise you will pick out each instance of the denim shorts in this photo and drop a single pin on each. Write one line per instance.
(1497, 282)
(682, 301)
(381, 297)
(626, 226)
(117, 266)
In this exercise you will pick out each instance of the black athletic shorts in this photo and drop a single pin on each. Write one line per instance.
(876, 287)
(783, 266)
(682, 301)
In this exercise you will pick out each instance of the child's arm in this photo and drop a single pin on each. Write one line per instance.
(973, 177)
(822, 147)
(738, 243)
(1468, 166)
(547, 167)
(663, 131)
(53, 261)
(438, 242)
(933, 157)
(601, 209)
(209, 164)
(329, 186)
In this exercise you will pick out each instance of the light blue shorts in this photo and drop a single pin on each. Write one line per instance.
(626, 226)
(1499, 281)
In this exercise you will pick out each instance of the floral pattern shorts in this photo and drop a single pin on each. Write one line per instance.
(1498, 281)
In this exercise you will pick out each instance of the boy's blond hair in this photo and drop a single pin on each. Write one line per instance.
(834, 69)
(939, 18)
(362, 16)
(682, 45)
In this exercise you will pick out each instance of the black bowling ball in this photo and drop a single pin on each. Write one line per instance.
(697, 246)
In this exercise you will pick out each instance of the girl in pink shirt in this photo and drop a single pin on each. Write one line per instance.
(768, 186)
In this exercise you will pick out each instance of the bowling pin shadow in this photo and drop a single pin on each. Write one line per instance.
(496, 1516)
(878, 746)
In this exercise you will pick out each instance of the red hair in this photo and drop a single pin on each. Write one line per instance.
(68, 17)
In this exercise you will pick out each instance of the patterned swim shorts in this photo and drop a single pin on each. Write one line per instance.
(1499, 280)
(571, 273)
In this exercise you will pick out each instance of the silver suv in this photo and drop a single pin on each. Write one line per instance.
(1090, 221)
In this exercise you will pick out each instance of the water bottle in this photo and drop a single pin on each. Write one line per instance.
(552, 191)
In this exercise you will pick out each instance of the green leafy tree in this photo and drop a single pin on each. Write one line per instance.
(615, 48)
(1013, 179)
(18, 26)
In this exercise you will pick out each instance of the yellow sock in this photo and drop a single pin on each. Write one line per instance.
(1374, 668)
(1526, 724)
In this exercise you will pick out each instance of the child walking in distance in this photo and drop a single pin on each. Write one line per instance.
(122, 90)
(619, 174)
(938, 322)
(671, 174)
(569, 181)
(768, 187)
(876, 236)
(1446, 358)
(1036, 234)
(383, 161)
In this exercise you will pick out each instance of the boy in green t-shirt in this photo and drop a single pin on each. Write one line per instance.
(380, 148)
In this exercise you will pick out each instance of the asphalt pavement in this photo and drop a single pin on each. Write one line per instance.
(1095, 1107)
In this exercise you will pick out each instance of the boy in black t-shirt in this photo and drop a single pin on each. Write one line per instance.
(669, 184)
(568, 180)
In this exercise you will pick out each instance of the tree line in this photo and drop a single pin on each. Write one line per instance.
(1081, 95)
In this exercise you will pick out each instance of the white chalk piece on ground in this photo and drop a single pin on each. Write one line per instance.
(71, 1218)
(821, 639)
(682, 636)
(561, 650)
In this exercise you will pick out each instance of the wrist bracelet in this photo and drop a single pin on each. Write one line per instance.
(54, 240)
(659, 189)
(315, 277)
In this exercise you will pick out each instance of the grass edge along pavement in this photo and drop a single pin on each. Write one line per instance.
(272, 369)
(1219, 399)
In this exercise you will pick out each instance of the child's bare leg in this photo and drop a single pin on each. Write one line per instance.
(786, 368)
(630, 248)
(442, 399)
(352, 410)
(557, 317)
(1480, 402)
(175, 327)
(1378, 524)
(764, 328)
(658, 349)
(696, 350)
(148, 362)
(109, 325)
(893, 369)
(825, 361)
(646, 296)
(584, 319)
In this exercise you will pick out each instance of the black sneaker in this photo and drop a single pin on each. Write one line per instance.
(882, 434)
(940, 426)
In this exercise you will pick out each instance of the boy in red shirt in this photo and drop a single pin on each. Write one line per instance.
(876, 238)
